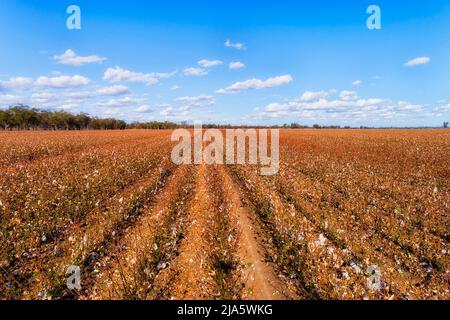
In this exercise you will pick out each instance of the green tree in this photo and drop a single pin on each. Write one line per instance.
(4, 119)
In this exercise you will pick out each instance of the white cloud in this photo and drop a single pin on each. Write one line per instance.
(144, 109)
(195, 72)
(195, 101)
(444, 108)
(417, 61)
(347, 107)
(164, 75)
(236, 65)
(167, 112)
(62, 82)
(209, 63)
(48, 82)
(405, 106)
(123, 102)
(118, 74)
(357, 83)
(81, 95)
(275, 107)
(257, 84)
(238, 46)
(118, 90)
(174, 87)
(112, 113)
(176, 114)
(113, 91)
(348, 95)
(16, 83)
(10, 99)
(71, 58)
(68, 106)
(309, 96)
(43, 97)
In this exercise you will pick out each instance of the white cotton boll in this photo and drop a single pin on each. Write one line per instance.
(322, 240)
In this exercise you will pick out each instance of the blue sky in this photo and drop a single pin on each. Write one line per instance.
(257, 62)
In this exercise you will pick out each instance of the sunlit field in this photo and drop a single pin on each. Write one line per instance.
(351, 214)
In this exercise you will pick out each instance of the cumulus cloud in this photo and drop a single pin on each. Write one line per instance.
(257, 84)
(62, 81)
(112, 91)
(174, 87)
(48, 82)
(357, 83)
(9, 99)
(196, 101)
(348, 95)
(43, 97)
(144, 109)
(80, 95)
(118, 90)
(405, 106)
(164, 75)
(123, 102)
(236, 65)
(309, 96)
(118, 74)
(346, 107)
(167, 112)
(71, 58)
(209, 63)
(16, 83)
(187, 106)
(195, 72)
(68, 106)
(417, 61)
(238, 46)
(444, 108)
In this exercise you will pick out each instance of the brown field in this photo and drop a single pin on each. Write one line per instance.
(139, 227)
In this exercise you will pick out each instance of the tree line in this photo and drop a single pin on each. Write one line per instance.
(22, 117)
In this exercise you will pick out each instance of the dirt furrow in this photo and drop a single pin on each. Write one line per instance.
(261, 281)
(295, 241)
